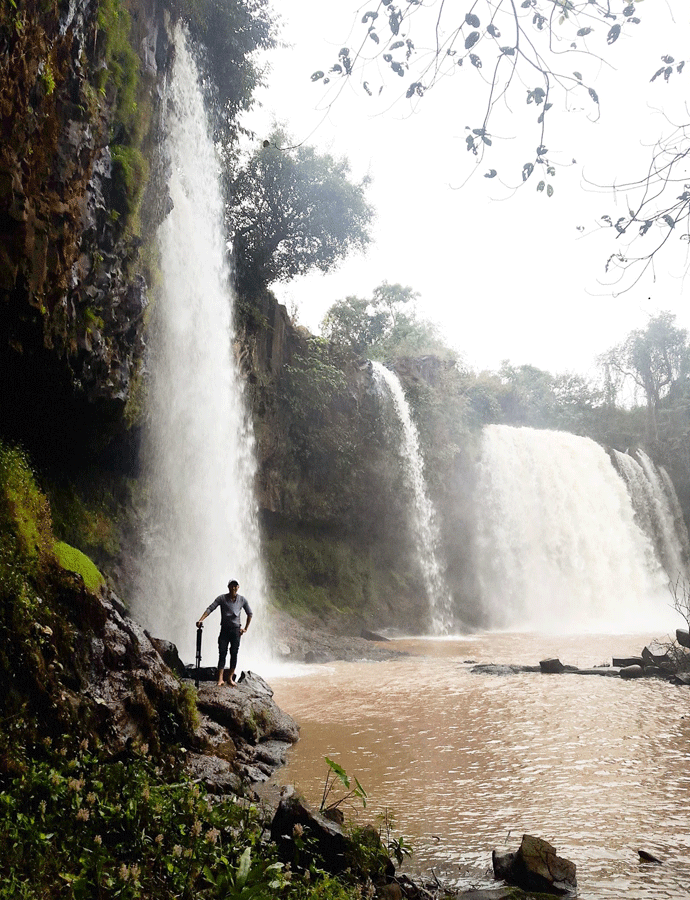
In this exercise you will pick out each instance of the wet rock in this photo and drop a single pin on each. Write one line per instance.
(294, 819)
(247, 710)
(501, 669)
(632, 672)
(551, 666)
(600, 670)
(216, 774)
(657, 654)
(536, 866)
(372, 636)
(623, 661)
(683, 637)
(169, 655)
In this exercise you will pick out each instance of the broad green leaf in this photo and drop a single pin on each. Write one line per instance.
(243, 868)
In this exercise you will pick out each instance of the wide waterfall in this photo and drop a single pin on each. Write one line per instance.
(422, 510)
(200, 522)
(560, 546)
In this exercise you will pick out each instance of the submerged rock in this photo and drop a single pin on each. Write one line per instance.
(632, 672)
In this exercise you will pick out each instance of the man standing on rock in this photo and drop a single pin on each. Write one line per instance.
(231, 605)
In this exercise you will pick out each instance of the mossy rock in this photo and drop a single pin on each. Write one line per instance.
(75, 561)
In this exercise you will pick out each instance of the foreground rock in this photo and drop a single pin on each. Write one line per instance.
(536, 866)
(245, 728)
(242, 736)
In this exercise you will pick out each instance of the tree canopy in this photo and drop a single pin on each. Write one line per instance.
(653, 358)
(383, 325)
(291, 211)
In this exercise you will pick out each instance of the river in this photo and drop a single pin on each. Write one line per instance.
(467, 762)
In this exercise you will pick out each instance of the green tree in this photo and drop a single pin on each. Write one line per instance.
(653, 358)
(293, 210)
(384, 325)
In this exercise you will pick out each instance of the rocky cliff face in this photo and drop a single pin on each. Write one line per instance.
(72, 295)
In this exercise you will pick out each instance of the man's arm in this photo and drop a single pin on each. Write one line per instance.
(247, 608)
(207, 611)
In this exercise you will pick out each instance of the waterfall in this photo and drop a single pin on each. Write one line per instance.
(423, 514)
(200, 525)
(658, 511)
(559, 546)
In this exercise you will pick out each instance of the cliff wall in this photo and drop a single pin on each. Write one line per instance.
(72, 289)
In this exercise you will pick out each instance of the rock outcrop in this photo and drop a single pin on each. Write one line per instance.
(536, 866)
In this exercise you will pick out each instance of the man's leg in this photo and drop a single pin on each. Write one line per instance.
(223, 640)
(234, 648)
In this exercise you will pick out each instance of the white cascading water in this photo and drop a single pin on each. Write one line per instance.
(423, 514)
(656, 505)
(558, 545)
(200, 525)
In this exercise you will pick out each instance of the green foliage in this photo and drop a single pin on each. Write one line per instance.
(130, 173)
(89, 518)
(75, 561)
(383, 326)
(24, 511)
(76, 823)
(121, 73)
(293, 210)
(335, 579)
(653, 358)
(335, 773)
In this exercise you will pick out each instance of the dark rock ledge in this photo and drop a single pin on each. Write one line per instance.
(669, 661)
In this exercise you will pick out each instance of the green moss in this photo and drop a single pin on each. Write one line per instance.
(121, 71)
(75, 561)
(130, 173)
(24, 511)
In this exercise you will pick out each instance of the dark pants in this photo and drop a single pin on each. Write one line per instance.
(229, 635)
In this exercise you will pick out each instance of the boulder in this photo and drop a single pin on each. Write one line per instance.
(535, 866)
(551, 666)
(372, 636)
(657, 654)
(501, 669)
(169, 655)
(632, 672)
(683, 637)
(294, 820)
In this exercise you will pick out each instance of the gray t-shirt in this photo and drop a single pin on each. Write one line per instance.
(230, 609)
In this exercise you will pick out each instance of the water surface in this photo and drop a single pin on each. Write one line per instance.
(465, 762)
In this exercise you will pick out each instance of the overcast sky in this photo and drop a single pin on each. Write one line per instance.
(506, 275)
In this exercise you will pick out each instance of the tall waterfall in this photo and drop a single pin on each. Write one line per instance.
(657, 509)
(423, 514)
(559, 545)
(200, 527)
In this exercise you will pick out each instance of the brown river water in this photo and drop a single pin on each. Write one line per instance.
(465, 762)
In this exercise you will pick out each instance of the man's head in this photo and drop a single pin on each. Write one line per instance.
(233, 587)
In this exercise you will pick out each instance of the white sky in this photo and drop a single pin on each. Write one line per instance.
(505, 276)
